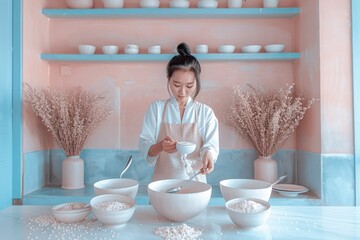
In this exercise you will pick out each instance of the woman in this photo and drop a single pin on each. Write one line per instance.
(180, 118)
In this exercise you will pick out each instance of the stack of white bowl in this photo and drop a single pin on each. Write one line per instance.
(207, 4)
(179, 3)
(80, 3)
(113, 3)
(149, 3)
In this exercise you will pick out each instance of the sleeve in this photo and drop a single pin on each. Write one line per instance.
(211, 134)
(149, 133)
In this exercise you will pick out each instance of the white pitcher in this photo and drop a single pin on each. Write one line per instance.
(270, 3)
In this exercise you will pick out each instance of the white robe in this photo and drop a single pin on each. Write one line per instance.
(207, 123)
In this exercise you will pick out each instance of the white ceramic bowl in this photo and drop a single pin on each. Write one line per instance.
(71, 212)
(87, 49)
(79, 3)
(156, 49)
(245, 188)
(245, 219)
(131, 49)
(207, 4)
(184, 147)
(251, 49)
(202, 48)
(274, 48)
(149, 3)
(122, 186)
(113, 3)
(113, 218)
(226, 48)
(110, 49)
(236, 3)
(180, 206)
(179, 3)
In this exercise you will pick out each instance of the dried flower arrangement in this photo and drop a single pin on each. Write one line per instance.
(267, 119)
(71, 116)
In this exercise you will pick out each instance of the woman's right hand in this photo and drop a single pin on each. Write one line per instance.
(168, 145)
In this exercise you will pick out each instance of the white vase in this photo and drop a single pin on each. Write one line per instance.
(265, 169)
(72, 173)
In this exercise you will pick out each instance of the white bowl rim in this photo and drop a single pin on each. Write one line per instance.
(102, 184)
(258, 200)
(275, 45)
(225, 181)
(56, 209)
(180, 181)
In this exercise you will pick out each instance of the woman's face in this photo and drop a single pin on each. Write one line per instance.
(182, 85)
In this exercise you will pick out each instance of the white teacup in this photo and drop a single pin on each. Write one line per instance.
(113, 3)
(156, 49)
(131, 49)
(110, 49)
(270, 3)
(202, 48)
(236, 3)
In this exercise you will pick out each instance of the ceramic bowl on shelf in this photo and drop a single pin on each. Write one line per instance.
(202, 48)
(131, 49)
(71, 212)
(251, 49)
(274, 48)
(179, 3)
(226, 48)
(149, 3)
(79, 3)
(113, 3)
(122, 186)
(207, 4)
(236, 3)
(110, 49)
(241, 188)
(186, 204)
(248, 212)
(156, 49)
(87, 49)
(113, 210)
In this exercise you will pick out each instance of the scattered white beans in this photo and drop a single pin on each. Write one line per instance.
(180, 232)
(112, 206)
(247, 206)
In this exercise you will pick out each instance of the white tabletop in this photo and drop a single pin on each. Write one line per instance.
(315, 222)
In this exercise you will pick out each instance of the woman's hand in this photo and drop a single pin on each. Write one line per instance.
(208, 163)
(168, 145)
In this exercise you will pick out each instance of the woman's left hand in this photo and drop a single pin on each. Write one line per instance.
(208, 163)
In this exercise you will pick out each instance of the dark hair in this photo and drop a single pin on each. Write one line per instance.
(184, 61)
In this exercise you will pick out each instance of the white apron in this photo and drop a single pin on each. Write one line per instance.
(170, 165)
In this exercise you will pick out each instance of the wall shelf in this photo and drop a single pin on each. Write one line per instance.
(172, 13)
(284, 56)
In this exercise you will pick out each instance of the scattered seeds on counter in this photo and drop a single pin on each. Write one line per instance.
(112, 206)
(180, 232)
(247, 206)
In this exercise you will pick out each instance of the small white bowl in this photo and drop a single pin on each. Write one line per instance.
(71, 212)
(184, 147)
(274, 48)
(149, 3)
(110, 49)
(113, 3)
(236, 3)
(249, 188)
(122, 186)
(113, 218)
(207, 4)
(156, 49)
(202, 48)
(87, 49)
(131, 49)
(179, 3)
(80, 3)
(226, 48)
(243, 217)
(251, 49)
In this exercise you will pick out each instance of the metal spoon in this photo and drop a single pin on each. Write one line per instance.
(279, 180)
(176, 189)
(126, 166)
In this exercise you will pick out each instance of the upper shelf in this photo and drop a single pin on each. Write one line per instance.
(172, 13)
(284, 56)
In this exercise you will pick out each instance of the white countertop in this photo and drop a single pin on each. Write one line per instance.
(285, 222)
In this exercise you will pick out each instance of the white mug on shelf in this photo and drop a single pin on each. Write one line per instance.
(236, 3)
(270, 3)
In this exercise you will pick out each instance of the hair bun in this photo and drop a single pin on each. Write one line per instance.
(184, 49)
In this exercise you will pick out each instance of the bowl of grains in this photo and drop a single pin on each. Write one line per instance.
(183, 205)
(248, 212)
(245, 188)
(113, 210)
(122, 186)
(71, 212)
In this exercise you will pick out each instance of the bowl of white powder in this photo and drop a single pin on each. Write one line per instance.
(248, 212)
(113, 210)
(189, 202)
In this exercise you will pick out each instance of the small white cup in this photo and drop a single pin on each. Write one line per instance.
(156, 49)
(110, 49)
(87, 49)
(236, 3)
(202, 48)
(113, 3)
(131, 49)
(270, 3)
